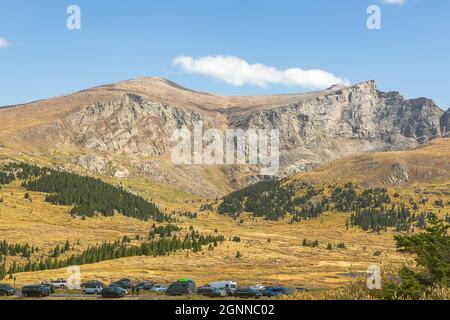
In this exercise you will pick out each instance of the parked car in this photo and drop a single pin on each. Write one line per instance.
(259, 287)
(58, 284)
(93, 289)
(7, 290)
(93, 283)
(182, 287)
(123, 283)
(49, 286)
(159, 288)
(248, 292)
(113, 292)
(209, 291)
(276, 291)
(145, 286)
(228, 286)
(36, 291)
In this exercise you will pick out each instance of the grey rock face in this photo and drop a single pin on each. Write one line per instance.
(319, 127)
(92, 163)
(445, 124)
(398, 174)
(130, 125)
(347, 120)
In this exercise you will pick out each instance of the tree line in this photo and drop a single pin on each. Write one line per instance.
(119, 249)
(90, 196)
(274, 201)
(15, 249)
(163, 231)
(6, 178)
(373, 210)
(12, 171)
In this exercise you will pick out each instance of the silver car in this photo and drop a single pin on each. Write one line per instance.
(93, 289)
(159, 288)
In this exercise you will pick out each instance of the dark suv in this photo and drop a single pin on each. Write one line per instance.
(36, 291)
(7, 290)
(114, 292)
(276, 291)
(181, 287)
(248, 292)
(145, 286)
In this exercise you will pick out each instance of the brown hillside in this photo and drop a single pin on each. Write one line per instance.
(429, 163)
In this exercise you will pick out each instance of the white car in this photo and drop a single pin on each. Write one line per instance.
(58, 284)
(94, 289)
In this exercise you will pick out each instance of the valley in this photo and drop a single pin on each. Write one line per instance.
(270, 251)
(358, 167)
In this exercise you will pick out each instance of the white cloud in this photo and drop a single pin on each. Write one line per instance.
(3, 43)
(238, 72)
(400, 2)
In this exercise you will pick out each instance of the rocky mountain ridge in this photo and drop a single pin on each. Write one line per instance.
(128, 127)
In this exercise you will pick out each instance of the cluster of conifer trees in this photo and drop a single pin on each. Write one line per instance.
(163, 231)
(189, 214)
(206, 207)
(372, 210)
(13, 250)
(119, 249)
(308, 208)
(10, 249)
(399, 217)
(24, 171)
(90, 196)
(310, 243)
(3, 271)
(59, 250)
(6, 178)
(12, 171)
(310, 212)
(273, 201)
(346, 199)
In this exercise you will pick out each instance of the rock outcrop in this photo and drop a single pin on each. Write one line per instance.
(126, 133)
(445, 124)
(129, 125)
(347, 120)
(318, 128)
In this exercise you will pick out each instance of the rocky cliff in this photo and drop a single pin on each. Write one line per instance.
(128, 129)
(445, 124)
(346, 120)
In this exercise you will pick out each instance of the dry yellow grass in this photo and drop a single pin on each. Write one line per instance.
(426, 164)
(282, 261)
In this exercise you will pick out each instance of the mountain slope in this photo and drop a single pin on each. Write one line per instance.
(426, 164)
(125, 129)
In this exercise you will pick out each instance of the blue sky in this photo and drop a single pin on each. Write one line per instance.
(119, 40)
